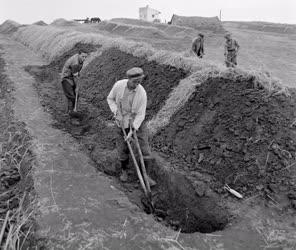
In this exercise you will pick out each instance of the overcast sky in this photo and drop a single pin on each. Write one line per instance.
(29, 11)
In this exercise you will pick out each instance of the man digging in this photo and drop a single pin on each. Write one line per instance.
(71, 70)
(231, 50)
(198, 45)
(127, 101)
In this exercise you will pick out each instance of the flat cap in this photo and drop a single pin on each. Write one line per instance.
(227, 35)
(201, 34)
(135, 72)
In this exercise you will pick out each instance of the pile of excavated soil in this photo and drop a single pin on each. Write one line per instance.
(198, 22)
(236, 133)
(263, 26)
(131, 30)
(9, 27)
(101, 74)
(176, 202)
(16, 161)
(41, 23)
(64, 22)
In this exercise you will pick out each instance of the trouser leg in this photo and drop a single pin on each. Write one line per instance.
(234, 59)
(121, 146)
(228, 60)
(68, 86)
(142, 135)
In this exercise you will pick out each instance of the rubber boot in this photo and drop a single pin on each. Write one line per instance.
(70, 106)
(149, 166)
(123, 176)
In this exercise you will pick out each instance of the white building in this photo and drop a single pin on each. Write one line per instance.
(148, 14)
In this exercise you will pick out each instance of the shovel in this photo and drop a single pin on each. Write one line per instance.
(143, 168)
(135, 162)
(74, 113)
(144, 180)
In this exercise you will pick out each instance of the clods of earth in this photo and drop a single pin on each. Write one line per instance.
(229, 132)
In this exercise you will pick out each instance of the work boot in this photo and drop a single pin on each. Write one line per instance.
(151, 181)
(70, 106)
(149, 168)
(123, 176)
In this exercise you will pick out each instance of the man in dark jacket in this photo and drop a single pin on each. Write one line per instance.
(71, 70)
(198, 45)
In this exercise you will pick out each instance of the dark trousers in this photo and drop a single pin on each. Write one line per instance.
(122, 148)
(69, 86)
(231, 58)
(199, 53)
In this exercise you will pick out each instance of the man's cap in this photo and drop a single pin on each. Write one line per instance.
(135, 72)
(201, 34)
(227, 35)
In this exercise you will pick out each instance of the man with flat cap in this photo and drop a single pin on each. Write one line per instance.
(71, 70)
(230, 51)
(198, 45)
(127, 101)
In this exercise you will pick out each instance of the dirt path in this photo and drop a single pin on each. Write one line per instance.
(82, 209)
(79, 208)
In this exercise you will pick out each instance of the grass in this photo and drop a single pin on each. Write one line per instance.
(9, 27)
(16, 183)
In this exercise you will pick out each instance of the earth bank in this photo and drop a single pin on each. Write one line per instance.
(176, 201)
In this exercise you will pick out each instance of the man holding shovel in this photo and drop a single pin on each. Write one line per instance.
(230, 51)
(71, 70)
(127, 101)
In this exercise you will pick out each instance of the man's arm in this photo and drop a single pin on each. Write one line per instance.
(140, 116)
(67, 69)
(111, 99)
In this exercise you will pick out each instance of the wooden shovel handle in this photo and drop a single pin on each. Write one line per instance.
(135, 162)
(142, 162)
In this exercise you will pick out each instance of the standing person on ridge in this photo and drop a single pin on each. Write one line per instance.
(198, 45)
(230, 51)
(71, 70)
(127, 101)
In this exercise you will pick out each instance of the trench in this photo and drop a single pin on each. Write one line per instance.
(176, 202)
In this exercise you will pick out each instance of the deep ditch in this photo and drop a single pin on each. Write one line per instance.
(176, 202)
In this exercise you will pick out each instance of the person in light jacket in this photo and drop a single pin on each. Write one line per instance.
(127, 101)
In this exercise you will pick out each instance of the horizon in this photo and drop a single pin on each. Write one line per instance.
(30, 11)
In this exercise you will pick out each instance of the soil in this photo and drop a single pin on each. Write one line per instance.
(176, 202)
(16, 160)
(101, 74)
(236, 134)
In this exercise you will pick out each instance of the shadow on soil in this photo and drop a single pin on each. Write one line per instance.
(176, 202)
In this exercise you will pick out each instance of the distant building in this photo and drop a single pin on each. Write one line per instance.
(148, 14)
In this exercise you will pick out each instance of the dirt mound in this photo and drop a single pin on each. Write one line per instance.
(131, 30)
(100, 75)
(9, 27)
(237, 134)
(41, 23)
(263, 26)
(199, 23)
(175, 199)
(168, 30)
(63, 22)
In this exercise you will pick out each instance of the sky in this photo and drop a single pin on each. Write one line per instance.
(29, 11)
